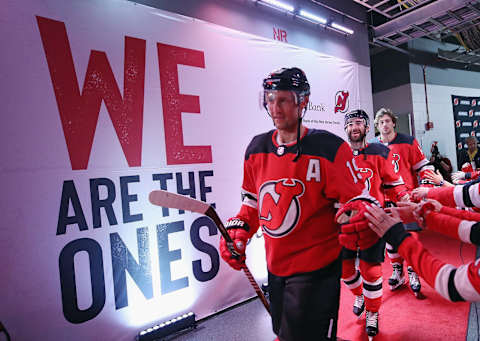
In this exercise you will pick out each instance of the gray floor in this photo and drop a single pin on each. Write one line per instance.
(246, 322)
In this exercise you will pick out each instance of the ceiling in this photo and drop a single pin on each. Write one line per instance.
(393, 23)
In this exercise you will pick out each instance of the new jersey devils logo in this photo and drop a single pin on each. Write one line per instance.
(474, 102)
(457, 123)
(475, 123)
(455, 101)
(367, 175)
(341, 101)
(470, 113)
(395, 162)
(459, 145)
(279, 206)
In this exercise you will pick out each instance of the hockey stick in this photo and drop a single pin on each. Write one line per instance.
(172, 200)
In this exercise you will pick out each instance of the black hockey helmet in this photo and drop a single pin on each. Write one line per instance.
(359, 113)
(292, 79)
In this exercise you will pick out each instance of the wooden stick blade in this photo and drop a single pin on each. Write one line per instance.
(172, 200)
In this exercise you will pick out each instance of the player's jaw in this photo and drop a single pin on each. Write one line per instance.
(356, 135)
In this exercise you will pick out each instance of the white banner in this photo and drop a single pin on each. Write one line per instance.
(102, 102)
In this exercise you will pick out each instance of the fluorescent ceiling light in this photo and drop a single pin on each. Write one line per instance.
(279, 4)
(342, 28)
(312, 17)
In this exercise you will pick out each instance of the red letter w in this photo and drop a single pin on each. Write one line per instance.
(79, 111)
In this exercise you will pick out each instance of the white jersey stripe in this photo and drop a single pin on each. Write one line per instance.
(458, 196)
(464, 229)
(420, 164)
(464, 286)
(441, 280)
(474, 195)
(249, 202)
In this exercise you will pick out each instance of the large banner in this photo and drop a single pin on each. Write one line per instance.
(103, 102)
(466, 115)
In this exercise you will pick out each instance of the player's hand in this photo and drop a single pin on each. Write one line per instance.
(434, 177)
(355, 232)
(388, 226)
(424, 208)
(404, 210)
(420, 193)
(234, 253)
(457, 176)
(379, 221)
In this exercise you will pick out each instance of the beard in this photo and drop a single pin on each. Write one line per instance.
(359, 138)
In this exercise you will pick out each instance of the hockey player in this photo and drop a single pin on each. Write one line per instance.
(374, 162)
(290, 185)
(409, 162)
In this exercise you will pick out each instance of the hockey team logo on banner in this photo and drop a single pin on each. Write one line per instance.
(465, 118)
(341, 101)
(276, 197)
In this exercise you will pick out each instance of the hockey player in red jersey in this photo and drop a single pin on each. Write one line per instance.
(290, 185)
(409, 162)
(374, 162)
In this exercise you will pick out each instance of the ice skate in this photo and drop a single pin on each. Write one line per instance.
(358, 305)
(397, 278)
(414, 282)
(371, 324)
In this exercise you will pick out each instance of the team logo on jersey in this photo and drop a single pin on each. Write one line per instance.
(396, 162)
(280, 150)
(457, 123)
(470, 113)
(455, 101)
(279, 206)
(341, 101)
(475, 123)
(472, 133)
(459, 145)
(474, 102)
(367, 175)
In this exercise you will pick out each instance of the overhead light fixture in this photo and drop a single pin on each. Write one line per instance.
(278, 5)
(312, 17)
(342, 28)
(168, 327)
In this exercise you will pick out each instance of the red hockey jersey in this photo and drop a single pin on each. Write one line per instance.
(375, 164)
(455, 284)
(467, 195)
(293, 202)
(408, 158)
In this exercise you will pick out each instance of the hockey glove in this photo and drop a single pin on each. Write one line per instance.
(234, 254)
(355, 232)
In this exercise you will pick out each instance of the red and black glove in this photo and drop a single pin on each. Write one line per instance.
(355, 232)
(234, 253)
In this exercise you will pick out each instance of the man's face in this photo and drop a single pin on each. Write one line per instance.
(281, 106)
(356, 130)
(472, 145)
(385, 125)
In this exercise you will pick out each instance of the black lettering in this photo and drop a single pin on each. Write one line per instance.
(69, 194)
(106, 203)
(128, 198)
(165, 257)
(202, 246)
(163, 185)
(68, 284)
(186, 191)
(123, 261)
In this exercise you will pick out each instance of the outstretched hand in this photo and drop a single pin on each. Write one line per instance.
(379, 221)
(405, 210)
